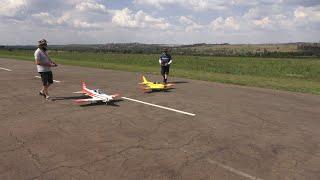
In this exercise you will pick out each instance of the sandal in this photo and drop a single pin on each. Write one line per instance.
(42, 94)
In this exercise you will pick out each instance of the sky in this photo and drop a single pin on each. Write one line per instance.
(24, 22)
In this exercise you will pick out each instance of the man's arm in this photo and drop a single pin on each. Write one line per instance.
(52, 62)
(169, 61)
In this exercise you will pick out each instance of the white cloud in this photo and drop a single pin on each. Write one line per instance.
(227, 24)
(126, 18)
(46, 18)
(245, 2)
(283, 21)
(264, 22)
(307, 13)
(200, 5)
(11, 7)
(66, 20)
(300, 13)
(186, 20)
(91, 6)
(74, 17)
(85, 25)
(260, 11)
(267, 18)
(252, 13)
(197, 5)
(190, 24)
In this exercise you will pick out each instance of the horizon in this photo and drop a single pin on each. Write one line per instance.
(281, 43)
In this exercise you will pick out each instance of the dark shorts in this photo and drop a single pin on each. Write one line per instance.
(165, 70)
(46, 77)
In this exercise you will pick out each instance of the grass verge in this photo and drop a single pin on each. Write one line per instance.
(296, 75)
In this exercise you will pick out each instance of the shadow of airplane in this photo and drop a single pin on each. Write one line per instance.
(155, 91)
(111, 103)
(178, 82)
(68, 98)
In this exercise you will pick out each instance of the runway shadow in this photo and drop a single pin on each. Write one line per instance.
(112, 103)
(68, 98)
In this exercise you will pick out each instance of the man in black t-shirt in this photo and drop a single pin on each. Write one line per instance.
(165, 61)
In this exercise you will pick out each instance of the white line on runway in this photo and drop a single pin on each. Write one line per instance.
(240, 173)
(5, 69)
(231, 169)
(53, 80)
(162, 107)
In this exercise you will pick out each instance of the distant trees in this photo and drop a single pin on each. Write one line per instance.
(202, 49)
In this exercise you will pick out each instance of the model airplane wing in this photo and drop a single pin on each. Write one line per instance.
(115, 95)
(87, 100)
(169, 85)
(79, 92)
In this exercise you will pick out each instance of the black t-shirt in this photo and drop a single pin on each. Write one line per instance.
(165, 58)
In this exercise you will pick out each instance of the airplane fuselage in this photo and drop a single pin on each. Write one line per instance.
(155, 86)
(102, 97)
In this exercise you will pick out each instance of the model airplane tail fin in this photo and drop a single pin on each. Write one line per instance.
(84, 86)
(144, 80)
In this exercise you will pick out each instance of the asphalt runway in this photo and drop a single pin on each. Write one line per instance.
(237, 132)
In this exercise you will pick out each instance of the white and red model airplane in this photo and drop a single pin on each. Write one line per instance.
(96, 95)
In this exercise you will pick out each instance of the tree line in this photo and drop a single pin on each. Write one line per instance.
(302, 49)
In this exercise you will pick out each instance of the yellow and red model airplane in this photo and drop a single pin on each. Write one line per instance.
(154, 86)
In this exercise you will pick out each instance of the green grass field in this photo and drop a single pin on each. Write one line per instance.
(298, 75)
(242, 48)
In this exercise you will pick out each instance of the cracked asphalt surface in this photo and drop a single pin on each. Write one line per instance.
(237, 133)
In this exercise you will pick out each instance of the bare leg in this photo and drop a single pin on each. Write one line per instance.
(42, 90)
(165, 78)
(45, 90)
